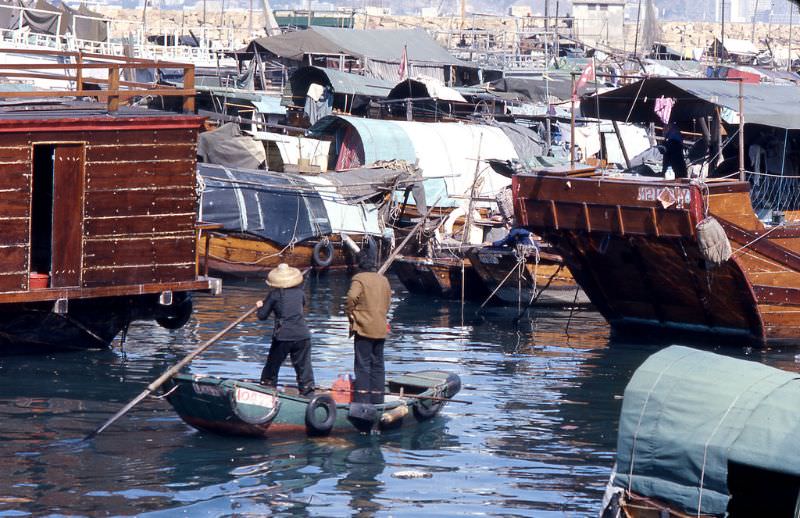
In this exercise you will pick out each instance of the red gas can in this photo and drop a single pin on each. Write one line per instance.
(342, 389)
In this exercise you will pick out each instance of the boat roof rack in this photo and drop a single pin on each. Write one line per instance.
(79, 74)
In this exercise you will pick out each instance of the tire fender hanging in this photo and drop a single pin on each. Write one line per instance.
(316, 425)
(322, 255)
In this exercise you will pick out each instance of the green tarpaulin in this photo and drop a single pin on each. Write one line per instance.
(688, 413)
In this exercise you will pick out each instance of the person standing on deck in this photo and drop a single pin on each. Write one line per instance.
(673, 151)
(367, 306)
(290, 335)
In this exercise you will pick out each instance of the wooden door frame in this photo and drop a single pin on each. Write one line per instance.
(81, 202)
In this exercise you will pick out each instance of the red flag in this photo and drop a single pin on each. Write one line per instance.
(586, 76)
(403, 69)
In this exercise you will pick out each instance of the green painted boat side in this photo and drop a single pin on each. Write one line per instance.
(241, 407)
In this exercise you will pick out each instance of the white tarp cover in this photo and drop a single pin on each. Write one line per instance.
(450, 155)
(361, 218)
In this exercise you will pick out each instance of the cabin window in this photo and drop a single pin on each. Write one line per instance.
(758, 492)
(42, 209)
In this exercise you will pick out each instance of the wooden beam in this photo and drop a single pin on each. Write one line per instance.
(44, 295)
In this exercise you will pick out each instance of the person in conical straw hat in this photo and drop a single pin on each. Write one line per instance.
(290, 334)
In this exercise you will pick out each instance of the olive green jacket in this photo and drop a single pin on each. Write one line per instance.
(367, 304)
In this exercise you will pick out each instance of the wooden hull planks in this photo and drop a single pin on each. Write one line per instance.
(554, 285)
(441, 277)
(631, 244)
(243, 255)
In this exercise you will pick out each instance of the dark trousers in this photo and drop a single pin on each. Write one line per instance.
(673, 156)
(300, 352)
(370, 374)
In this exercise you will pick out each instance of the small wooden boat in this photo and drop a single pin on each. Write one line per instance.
(246, 408)
(444, 277)
(245, 255)
(521, 276)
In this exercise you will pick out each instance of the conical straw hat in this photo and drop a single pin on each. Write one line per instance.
(284, 276)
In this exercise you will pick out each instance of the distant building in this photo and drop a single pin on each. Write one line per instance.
(599, 21)
(520, 11)
(373, 10)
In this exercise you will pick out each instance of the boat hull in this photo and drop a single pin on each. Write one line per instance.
(548, 282)
(242, 255)
(441, 277)
(91, 323)
(245, 408)
(632, 245)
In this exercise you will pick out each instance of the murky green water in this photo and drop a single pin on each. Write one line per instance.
(537, 440)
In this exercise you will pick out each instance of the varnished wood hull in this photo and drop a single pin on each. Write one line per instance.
(440, 277)
(243, 255)
(547, 282)
(638, 259)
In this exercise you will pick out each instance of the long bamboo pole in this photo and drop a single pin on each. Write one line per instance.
(170, 372)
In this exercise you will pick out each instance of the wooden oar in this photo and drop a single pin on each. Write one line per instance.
(171, 372)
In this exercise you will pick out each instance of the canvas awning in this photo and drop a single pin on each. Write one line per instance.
(228, 146)
(770, 105)
(541, 89)
(384, 45)
(688, 413)
(340, 82)
(450, 155)
(283, 208)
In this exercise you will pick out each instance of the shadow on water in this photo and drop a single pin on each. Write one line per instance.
(538, 438)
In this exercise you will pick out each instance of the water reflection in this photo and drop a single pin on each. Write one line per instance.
(538, 438)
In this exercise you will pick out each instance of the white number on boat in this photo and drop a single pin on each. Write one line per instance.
(251, 397)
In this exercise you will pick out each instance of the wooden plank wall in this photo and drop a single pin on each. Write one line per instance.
(139, 205)
(15, 179)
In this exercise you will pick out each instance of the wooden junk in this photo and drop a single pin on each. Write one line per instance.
(639, 261)
(97, 207)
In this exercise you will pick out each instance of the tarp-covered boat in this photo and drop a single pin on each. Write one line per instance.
(246, 408)
(705, 434)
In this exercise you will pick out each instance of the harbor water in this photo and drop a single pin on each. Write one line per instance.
(538, 438)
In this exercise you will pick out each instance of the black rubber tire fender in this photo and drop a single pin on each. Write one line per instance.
(322, 255)
(179, 315)
(316, 426)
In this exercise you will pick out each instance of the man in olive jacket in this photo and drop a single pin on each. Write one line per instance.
(367, 305)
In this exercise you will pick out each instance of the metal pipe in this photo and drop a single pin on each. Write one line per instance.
(572, 123)
(741, 129)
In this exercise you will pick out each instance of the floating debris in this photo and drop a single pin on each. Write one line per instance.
(411, 473)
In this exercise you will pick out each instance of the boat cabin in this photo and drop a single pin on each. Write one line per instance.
(98, 214)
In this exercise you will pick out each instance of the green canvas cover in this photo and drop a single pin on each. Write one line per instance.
(687, 413)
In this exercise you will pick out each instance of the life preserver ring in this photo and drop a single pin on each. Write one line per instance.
(322, 254)
(425, 409)
(176, 315)
(316, 425)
